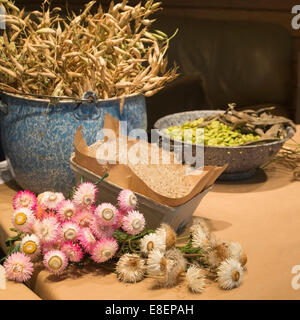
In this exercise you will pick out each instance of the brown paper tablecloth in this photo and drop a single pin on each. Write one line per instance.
(262, 213)
(17, 291)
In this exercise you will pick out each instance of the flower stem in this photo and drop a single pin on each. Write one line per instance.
(101, 179)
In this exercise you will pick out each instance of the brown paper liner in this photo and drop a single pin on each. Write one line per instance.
(123, 176)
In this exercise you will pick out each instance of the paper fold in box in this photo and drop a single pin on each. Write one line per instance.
(156, 181)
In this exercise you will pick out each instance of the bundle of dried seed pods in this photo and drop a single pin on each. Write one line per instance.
(113, 53)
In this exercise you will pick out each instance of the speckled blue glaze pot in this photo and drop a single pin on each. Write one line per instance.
(37, 137)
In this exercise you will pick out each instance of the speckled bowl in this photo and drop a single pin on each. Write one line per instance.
(242, 160)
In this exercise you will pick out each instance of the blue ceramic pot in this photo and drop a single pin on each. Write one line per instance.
(37, 137)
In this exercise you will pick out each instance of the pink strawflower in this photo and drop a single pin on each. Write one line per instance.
(47, 230)
(86, 239)
(50, 214)
(104, 250)
(69, 231)
(85, 217)
(85, 194)
(18, 267)
(119, 222)
(46, 247)
(73, 251)
(25, 199)
(66, 210)
(106, 214)
(127, 200)
(133, 222)
(30, 245)
(102, 231)
(50, 200)
(55, 261)
(23, 219)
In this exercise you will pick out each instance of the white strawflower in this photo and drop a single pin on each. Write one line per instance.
(130, 268)
(155, 262)
(199, 238)
(153, 241)
(195, 279)
(168, 233)
(230, 274)
(174, 265)
(236, 252)
(200, 223)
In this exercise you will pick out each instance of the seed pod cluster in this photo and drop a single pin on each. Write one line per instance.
(113, 53)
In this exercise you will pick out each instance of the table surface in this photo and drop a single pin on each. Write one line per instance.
(262, 213)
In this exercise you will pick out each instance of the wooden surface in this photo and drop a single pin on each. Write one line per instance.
(261, 213)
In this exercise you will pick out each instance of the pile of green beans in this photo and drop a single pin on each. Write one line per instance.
(215, 134)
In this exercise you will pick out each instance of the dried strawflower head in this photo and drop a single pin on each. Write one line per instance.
(236, 252)
(72, 251)
(199, 238)
(85, 195)
(69, 231)
(102, 231)
(25, 199)
(30, 245)
(170, 235)
(86, 239)
(85, 217)
(200, 223)
(104, 250)
(66, 210)
(133, 222)
(230, 274)
(130, 268)
(175, 266)
(50, 200)
(106, 214)
(18, 267)
(218, 252)
(151, 242)
(195, 279)
(23, 219)
(47, 230)
(156, 262)
(127, 200)
(55, 261)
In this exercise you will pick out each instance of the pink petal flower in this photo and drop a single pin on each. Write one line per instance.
(55, 261)
(127, 200)
(47, 230)
(73, 251)
(85, 217)
(50, 200)
(106, 214)
(23, 219)
(133, 222)
(18, 267)
(102, 231)
(69, 231)
(104, 250)
(25, 199)
(86, 239)
(85, 194)
(66, 210)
